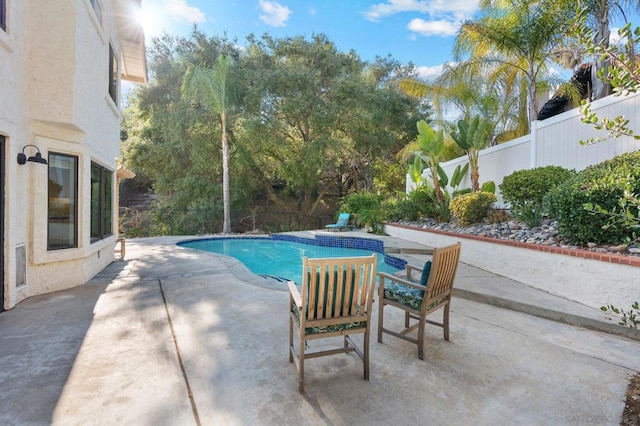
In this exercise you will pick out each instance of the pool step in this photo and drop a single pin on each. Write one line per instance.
(273, 277)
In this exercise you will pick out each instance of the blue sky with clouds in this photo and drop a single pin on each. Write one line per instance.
(420, 31)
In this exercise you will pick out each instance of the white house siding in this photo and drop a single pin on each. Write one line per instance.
(54, 76)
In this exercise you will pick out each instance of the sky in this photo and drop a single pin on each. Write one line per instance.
(417, 31)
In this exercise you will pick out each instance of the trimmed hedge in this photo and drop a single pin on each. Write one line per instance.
(525, 191)
(472, 208)
(531, 185)
(602, 184)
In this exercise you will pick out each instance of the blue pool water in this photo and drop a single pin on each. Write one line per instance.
(276, 258)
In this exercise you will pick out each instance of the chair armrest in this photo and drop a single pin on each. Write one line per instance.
(402, 281)
(413, 268)
(295, 294)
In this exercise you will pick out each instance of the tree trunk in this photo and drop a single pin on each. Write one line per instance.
(533, 94)
(602, 88)
(226, 226)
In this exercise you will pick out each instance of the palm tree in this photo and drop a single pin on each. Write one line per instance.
(490, 92)
(209, 85)
(522, 34)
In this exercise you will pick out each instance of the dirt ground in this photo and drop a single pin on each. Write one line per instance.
(631, 414)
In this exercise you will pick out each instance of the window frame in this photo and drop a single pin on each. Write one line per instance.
(113, 74)
(75, 171)
(104, 215)
(3, 15)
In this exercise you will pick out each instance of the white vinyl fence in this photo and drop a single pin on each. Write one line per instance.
(555, 142)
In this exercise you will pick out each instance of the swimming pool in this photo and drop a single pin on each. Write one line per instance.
(280, 259)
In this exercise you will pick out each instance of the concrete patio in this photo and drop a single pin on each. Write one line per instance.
(172, 336)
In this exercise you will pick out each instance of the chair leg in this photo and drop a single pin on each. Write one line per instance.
(380, 313)
(290, 339)
(421, 327)
(406, 319)
(301, 362)
(366, 355)
(445, 322)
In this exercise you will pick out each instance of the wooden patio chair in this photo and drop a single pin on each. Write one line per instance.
(417, 301)
(335, 300)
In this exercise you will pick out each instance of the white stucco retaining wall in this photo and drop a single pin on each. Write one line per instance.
(590, 282)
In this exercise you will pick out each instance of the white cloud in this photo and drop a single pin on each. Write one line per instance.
(391, 7)
(432, 28)
(429, 73)
(440, 17)
(180, 10)
(458, 9)
(274, 14)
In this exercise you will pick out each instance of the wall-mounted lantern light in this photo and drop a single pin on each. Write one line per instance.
(37, 158)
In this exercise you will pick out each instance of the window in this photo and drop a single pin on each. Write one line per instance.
(113, 75)
(62, 229)
(96, 8)
(3, 15)
(101, 199)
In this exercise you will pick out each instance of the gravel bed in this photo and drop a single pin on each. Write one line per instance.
(547, 234)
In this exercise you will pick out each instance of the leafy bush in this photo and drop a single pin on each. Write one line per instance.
(601, 185)
(367, 208)
(488, 186)
(630, 319)
(412, 206)
(471, 208)
(525, 191)
(530, 186)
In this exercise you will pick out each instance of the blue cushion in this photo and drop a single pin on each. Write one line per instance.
(343, 219)
(425, 273)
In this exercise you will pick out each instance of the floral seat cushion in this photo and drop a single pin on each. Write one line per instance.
(329, 328)
(407, 296)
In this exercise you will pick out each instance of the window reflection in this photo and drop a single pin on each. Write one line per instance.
(63, 190)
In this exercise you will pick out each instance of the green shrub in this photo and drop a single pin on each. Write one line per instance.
(531, 185)
(412, 206)
(471, 208)
(367, 208)
(600, 185)
(525, 191)
(489, 186)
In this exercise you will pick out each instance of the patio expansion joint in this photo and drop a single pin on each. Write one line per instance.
(194, 408)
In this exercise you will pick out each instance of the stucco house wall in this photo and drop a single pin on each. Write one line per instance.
(54, 80)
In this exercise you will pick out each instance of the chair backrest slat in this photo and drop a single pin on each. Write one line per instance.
(337, 287)
(443, 273)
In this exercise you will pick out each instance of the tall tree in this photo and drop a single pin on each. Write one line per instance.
(315, 118)
(471, 89)
(210, 86)
(522, 34)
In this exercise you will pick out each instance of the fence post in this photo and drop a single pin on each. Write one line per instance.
(533, 147)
